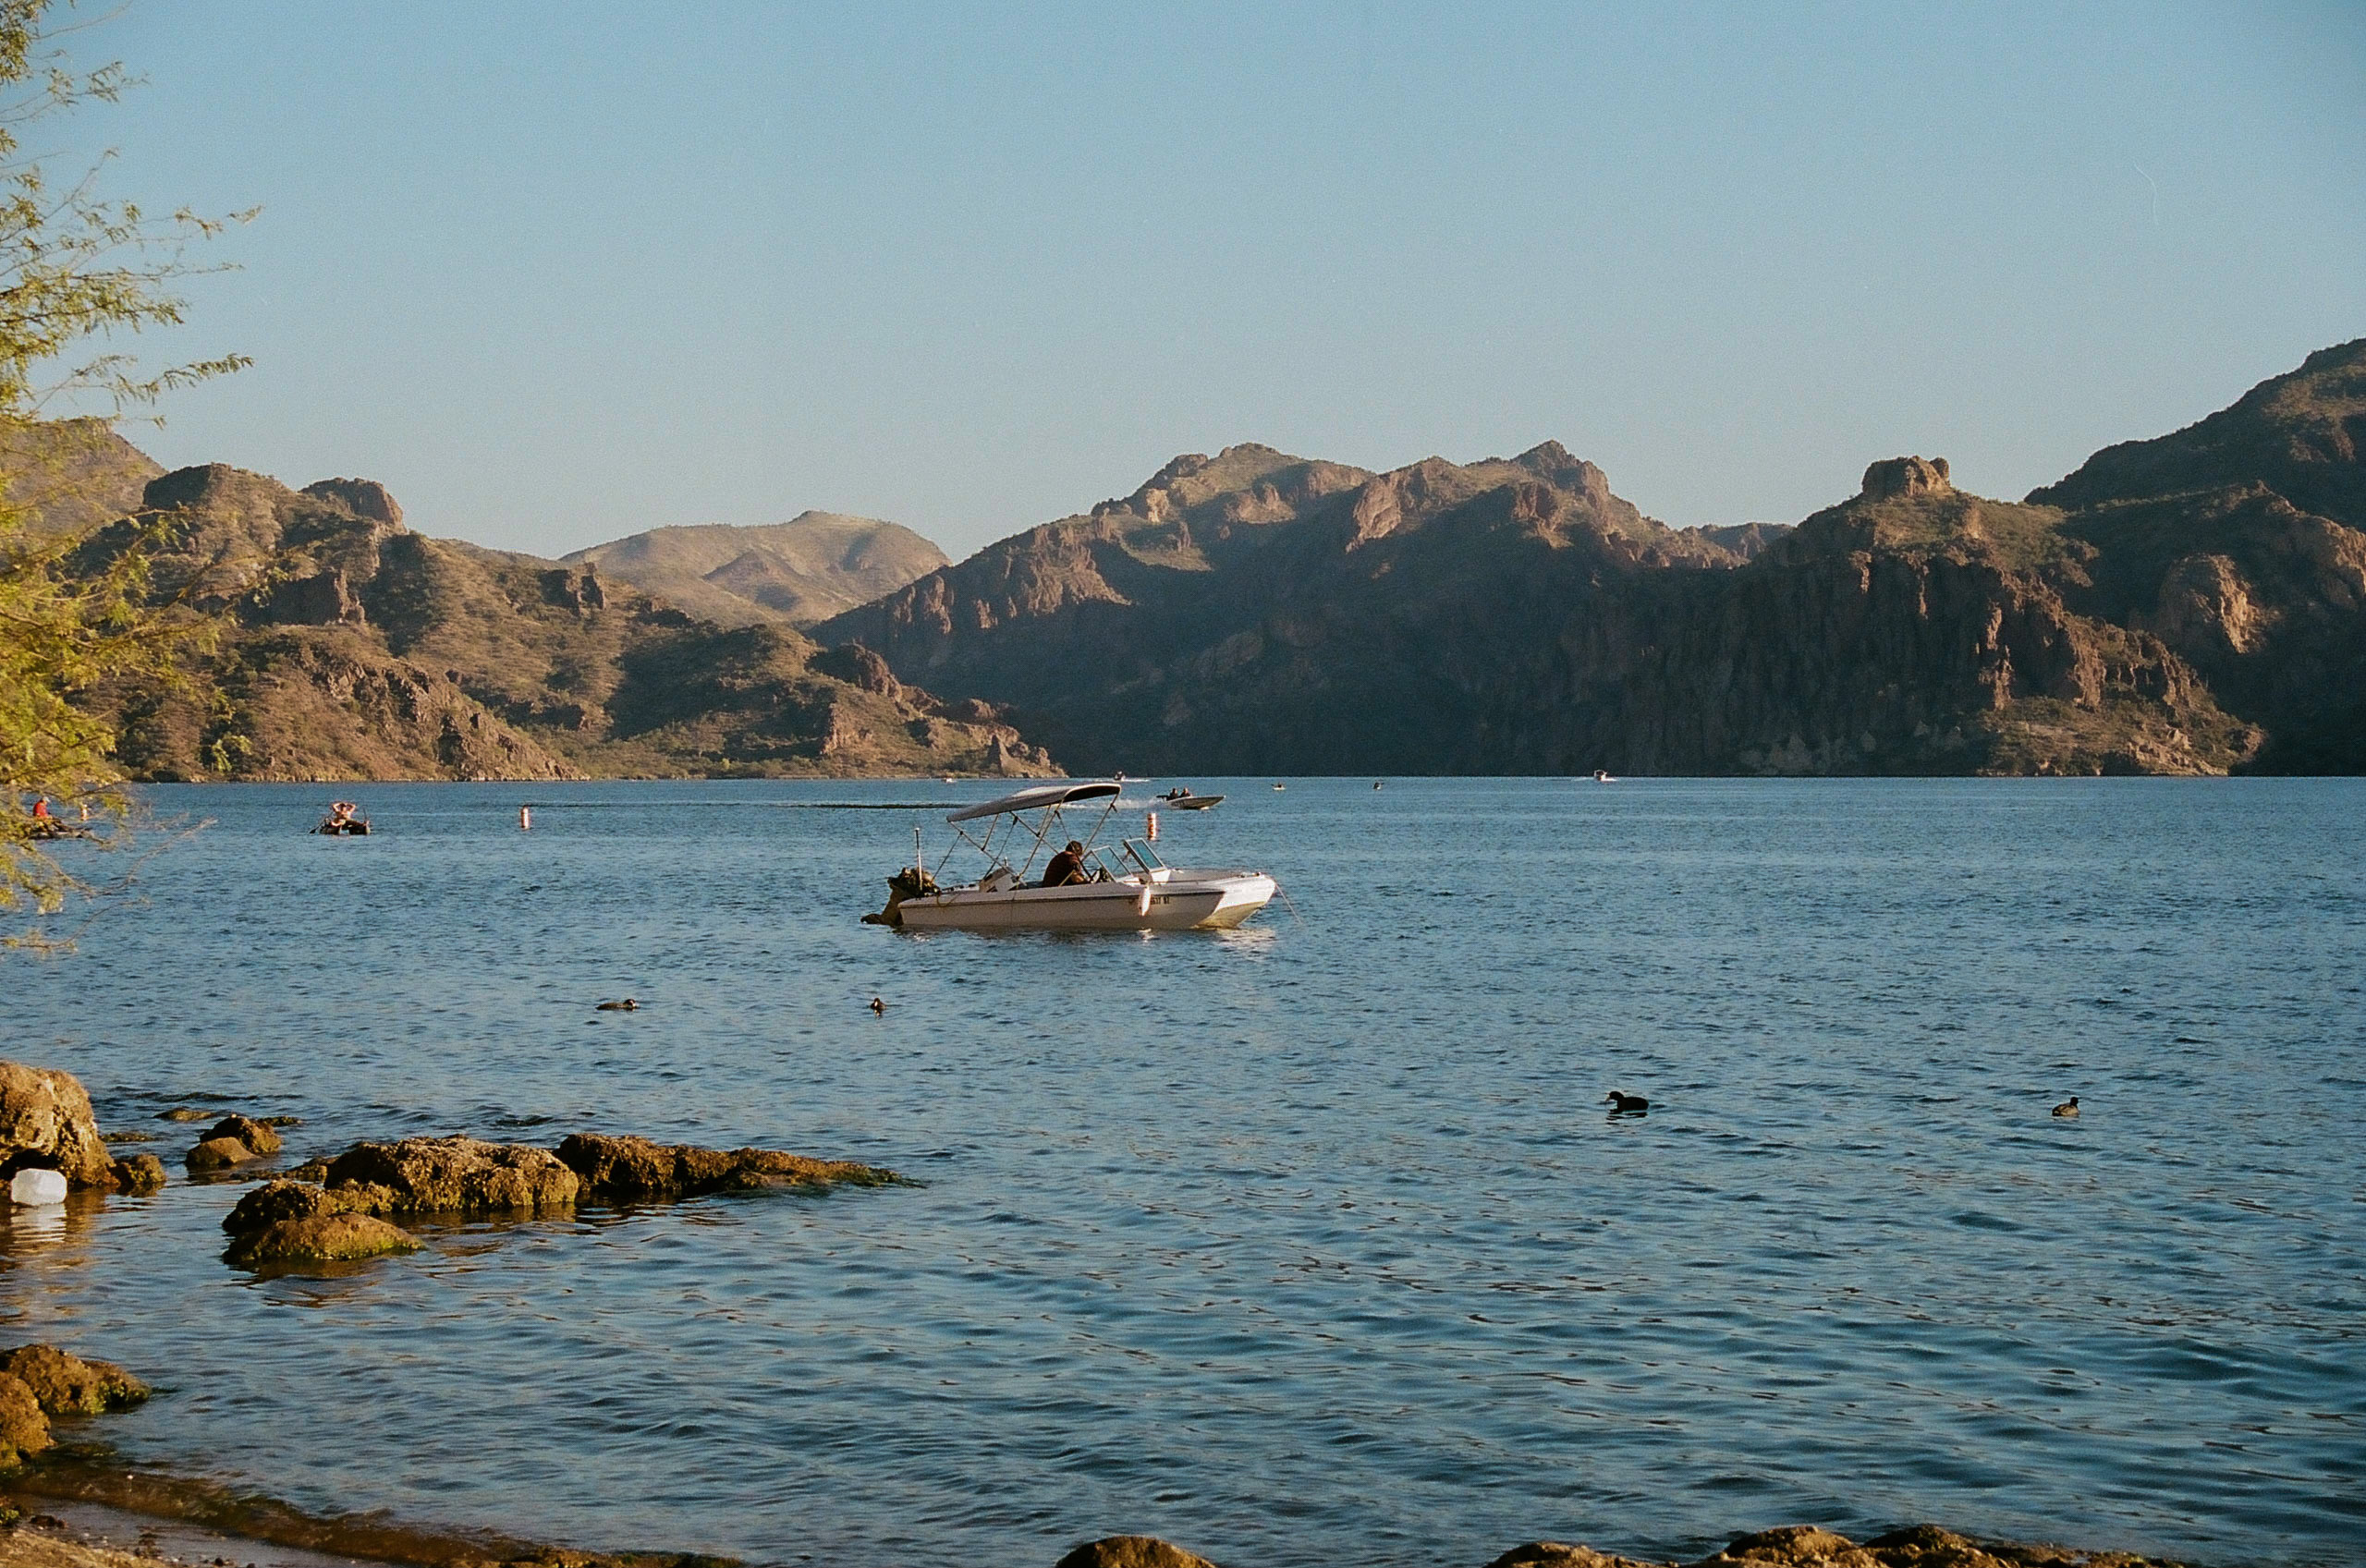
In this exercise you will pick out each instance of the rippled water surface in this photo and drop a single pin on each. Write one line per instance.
(1306, 1243)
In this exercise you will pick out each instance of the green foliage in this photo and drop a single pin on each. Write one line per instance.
(75, 270)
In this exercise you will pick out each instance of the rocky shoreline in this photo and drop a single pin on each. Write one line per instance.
(338, 1212)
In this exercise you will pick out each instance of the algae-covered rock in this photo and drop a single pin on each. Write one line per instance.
(634, 1170)
(24, 1429)
(64, 1384)
(1793, 1545)
(138, 1175)
(462, 1175)
(1131, 1551)
(46, 1120)
(275, 1202)
(320, 1239)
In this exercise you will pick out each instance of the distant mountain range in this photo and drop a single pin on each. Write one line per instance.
(2193, 604)
(794, 574)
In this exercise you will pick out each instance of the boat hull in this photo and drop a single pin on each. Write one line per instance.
(1217, 902)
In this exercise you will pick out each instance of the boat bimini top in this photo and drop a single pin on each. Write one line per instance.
(1036, 799)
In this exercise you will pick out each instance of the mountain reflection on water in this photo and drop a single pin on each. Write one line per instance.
(1303, 1244)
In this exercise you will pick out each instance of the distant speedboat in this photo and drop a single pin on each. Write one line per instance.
(343, 817)
(1134, 891)
(1182, 799)
(1601, 776)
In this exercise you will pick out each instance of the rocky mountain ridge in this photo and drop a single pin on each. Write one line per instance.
(2168, 608)
(354, 648)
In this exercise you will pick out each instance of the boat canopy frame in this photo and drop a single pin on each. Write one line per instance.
(1044, 805)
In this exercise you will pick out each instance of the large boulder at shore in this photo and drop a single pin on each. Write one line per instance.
(24, 1429)
(46, 1120)
(457, 1175)
(320, 1239)
(64, 1384)
(1132, 1551)
(634, 1170)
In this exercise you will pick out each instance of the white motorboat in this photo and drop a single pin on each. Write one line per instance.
(1130, 888)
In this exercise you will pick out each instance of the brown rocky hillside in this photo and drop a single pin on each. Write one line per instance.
(70, 475)
(1260, 612)
(796, 573)
(2240, 542)
(354, 648)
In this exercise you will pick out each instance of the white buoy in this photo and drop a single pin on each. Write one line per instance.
(524, 818)
(1154, 827)
(36, 1188)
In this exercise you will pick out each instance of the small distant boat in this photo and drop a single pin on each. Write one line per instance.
(1278, 788)
(1182, 799)
(343, 817)
(1603, 777)
(1133, 892)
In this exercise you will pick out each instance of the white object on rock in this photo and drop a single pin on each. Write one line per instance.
(35, 1187)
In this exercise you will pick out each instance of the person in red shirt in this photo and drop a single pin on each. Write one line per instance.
(41, 806)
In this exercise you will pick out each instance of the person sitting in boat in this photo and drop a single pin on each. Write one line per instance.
(41, 808)
(1066, 867)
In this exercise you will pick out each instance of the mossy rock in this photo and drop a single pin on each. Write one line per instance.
(64, 1384)
(320, 1239)
(24, 1427)
(1132, 1551)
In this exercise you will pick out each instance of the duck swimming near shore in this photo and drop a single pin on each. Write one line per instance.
(878, 1007)
(1623, 1104)
(2068, 1108)
(627, 1006)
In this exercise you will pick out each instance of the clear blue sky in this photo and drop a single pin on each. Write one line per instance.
(556, 272)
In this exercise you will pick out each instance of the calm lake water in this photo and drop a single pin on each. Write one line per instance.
(1306, 1243)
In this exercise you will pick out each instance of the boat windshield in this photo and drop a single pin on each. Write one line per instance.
(1139, 852)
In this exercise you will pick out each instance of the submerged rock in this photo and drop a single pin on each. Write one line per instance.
(1131, 1551)
(24, 1429)
(138, 1175)
(1559, 1554)
(219, 1154)
(634, 1170)
(340, 1211)
(320, 1239)
(255, 1135)
(64, 1384)
(46, 1120)
(1808, 1546)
